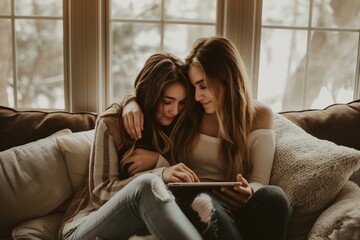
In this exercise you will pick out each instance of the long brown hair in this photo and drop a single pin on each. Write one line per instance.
(223, 66)
(159, 71)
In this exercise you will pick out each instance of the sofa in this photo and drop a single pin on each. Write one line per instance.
(44, 157)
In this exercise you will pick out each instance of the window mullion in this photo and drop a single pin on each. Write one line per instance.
(220, 17)
(85, 59)
(242, 26)
(162, 27)
(66, 57)
(308, 42)
(107, 56)
(357, 73)
(13, 40)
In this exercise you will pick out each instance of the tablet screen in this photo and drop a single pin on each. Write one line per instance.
(194, 187)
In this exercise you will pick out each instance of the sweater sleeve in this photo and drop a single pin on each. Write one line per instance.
(262, 150)
(162, 162)
(105, 178)
(126, 99)
(104, 171)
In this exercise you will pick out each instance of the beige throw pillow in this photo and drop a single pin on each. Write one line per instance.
(310, 171)
(33, 181)
(75, 149)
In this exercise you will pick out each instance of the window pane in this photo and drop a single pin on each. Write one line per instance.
(336, 14)
(332, 67)
(5, 7)
(136, 9)
(286, 13)
(199, 10)
(180, 38)
(140, 29)
(39, 60)
(6, 78)
(38, 7)
(132, 45)
(281, 59)
(325, 75)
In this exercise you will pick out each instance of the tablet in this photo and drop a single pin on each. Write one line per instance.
(203, 184)
(188, 187)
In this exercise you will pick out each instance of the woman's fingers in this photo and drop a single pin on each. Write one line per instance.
(139, 123)
(132, 169)
(128, 120)
(179, 173)
(142, 122)
(244, 189)
(232, 203)
(184, 176)
(126, 126)
(133, 119)
(235, 195)
(189, 172)
(128, 160)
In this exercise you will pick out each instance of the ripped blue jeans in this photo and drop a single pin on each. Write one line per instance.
(144, 205)
(265, 216)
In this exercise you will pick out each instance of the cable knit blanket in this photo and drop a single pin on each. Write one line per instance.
(342, 219)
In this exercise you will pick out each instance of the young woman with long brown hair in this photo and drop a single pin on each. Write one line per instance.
(232, 139)
(118, 200)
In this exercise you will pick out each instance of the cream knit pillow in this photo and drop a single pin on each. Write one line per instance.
(310, 171)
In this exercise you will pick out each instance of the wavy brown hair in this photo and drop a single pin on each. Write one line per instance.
(223, 66)
(160, 71)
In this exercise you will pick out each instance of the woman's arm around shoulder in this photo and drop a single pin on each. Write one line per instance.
(263, 116)
(262, 147)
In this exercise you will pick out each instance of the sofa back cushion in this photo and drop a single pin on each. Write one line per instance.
(21, 127)
(339, 123)
(33, 182)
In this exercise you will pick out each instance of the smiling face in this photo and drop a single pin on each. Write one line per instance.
(172, 103)
(202, 93)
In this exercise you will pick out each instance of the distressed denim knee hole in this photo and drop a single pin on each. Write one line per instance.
(160, 190)
(203, 205)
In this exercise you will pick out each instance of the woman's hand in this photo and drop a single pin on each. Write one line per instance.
(237, 196)
(140, 160)
(133, 119)
(179, 173)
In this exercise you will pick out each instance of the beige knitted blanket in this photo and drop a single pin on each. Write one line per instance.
(342, 219)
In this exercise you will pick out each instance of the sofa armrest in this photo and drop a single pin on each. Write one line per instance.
(341, 220)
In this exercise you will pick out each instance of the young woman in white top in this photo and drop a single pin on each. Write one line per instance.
(232, 139)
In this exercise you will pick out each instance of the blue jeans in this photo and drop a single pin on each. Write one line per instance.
(265, 216)
(144, 204)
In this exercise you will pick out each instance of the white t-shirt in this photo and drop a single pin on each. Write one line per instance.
(204, 160)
